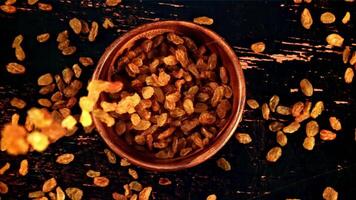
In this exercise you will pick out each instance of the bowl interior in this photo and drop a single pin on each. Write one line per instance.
(216, 44)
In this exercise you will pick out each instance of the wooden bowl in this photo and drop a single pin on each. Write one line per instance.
(214, 42)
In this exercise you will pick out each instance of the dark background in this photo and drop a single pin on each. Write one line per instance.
(298, 173)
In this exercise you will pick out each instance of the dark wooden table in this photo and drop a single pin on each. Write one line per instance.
(292, 53)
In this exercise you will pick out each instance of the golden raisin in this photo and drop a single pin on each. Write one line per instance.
(329, 193)
(112, 2)
(306, 19)
(203, 20)
(223, 164)
(101, 181)
(306, 87)
(258, 47)
(335, 39)
(65, 159)
(76, 25)
(49, 185)
(15, 68)
(327, 135)
(243, 138)
(327, 18)
(23, 168)
(274, 154)
(335, 123)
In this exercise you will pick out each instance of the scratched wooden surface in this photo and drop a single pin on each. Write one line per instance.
(292, 53)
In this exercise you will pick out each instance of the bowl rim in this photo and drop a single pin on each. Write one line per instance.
(235, 119)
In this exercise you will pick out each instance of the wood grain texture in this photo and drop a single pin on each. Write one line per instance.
(292, 53)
